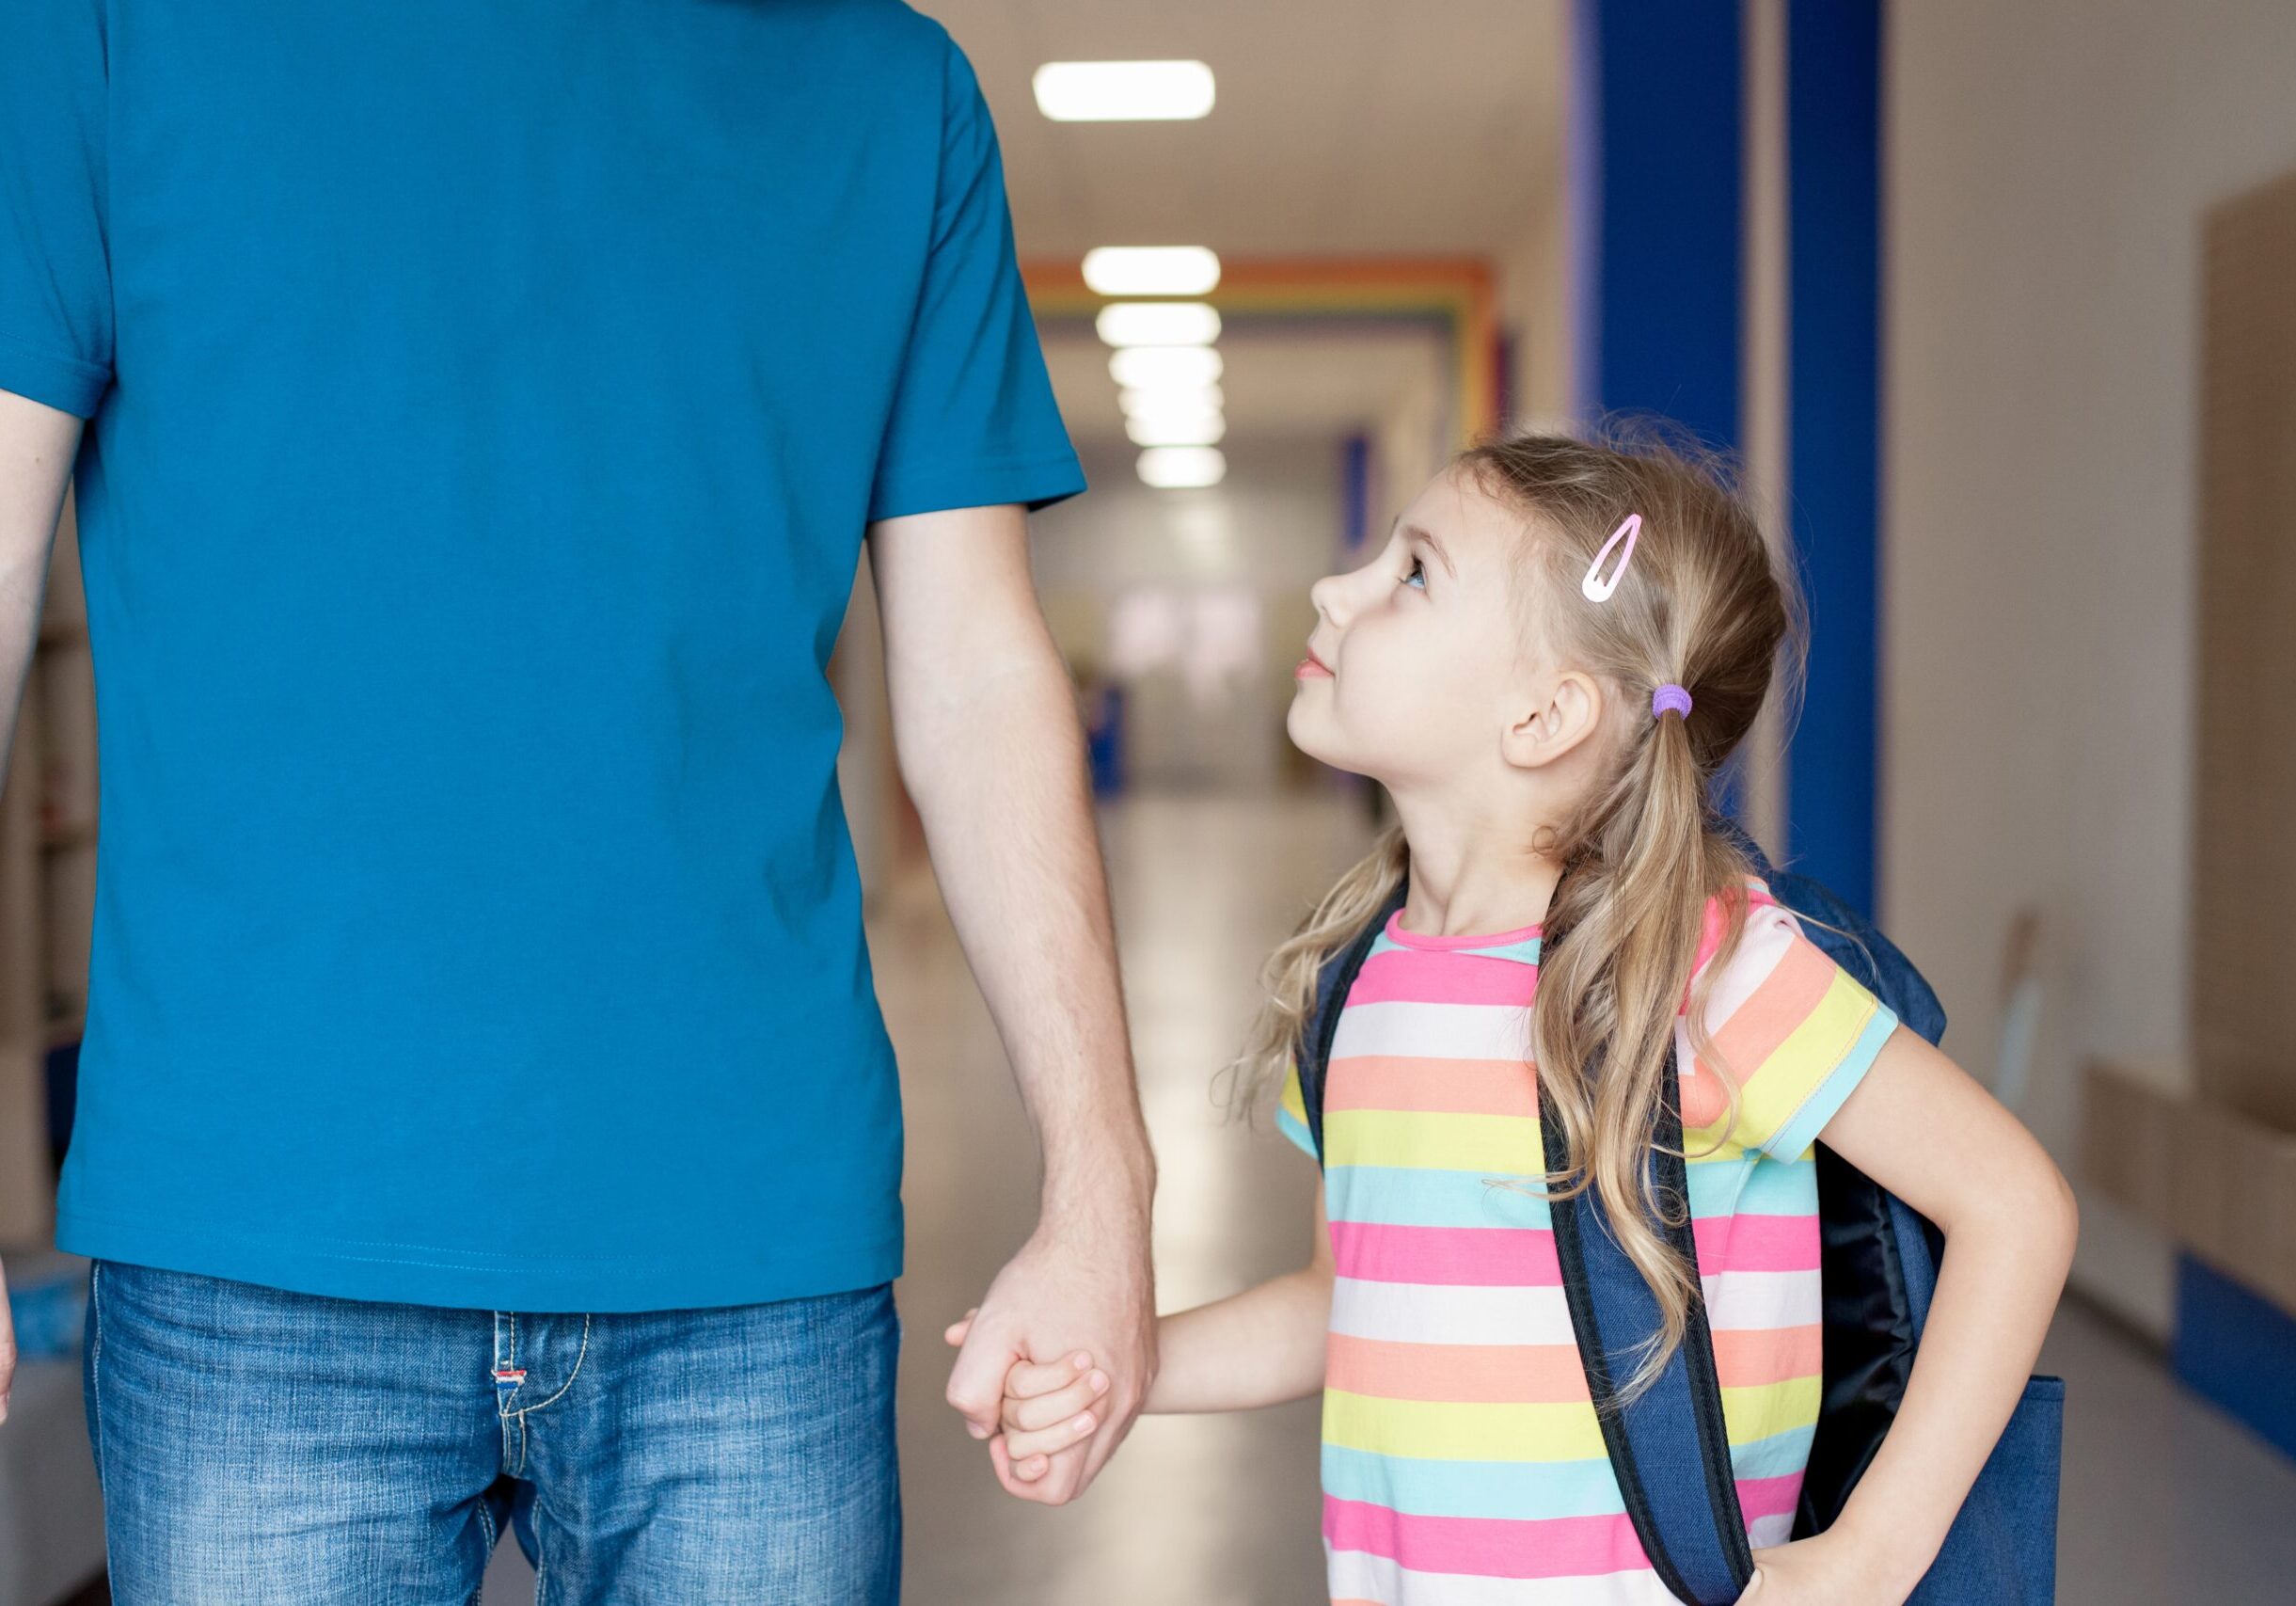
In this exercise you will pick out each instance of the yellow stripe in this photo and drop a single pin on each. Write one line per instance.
(1565, 1431)
(1503, 1145)
(1293, 1104)
(1560, 1431)
(1793, 1070)
(1760, 1409)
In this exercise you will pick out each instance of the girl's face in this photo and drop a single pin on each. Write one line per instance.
(1415, 665)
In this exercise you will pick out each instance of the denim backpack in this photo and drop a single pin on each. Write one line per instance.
(1668, 1446)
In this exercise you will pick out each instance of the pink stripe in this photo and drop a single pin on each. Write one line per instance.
(1768, 1497)
(1486, 1547)
(1756, 1243)
(1524, 1257)
(1483, 1257)
(1407, 976)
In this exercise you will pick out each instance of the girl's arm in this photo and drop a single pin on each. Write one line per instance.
(1259, 1348)
(1918, 1125)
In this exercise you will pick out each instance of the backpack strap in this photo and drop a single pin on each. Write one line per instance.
(1313, 1055)
(1669, 1446)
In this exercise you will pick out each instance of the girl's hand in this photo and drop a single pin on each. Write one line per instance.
(1824, 1571)
(1048, 1408)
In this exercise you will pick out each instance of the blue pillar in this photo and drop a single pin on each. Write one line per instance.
(1655, 182)
(1834, 176)
(1656, 174)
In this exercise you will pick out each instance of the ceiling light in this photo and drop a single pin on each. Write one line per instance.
(1158, 323)
(1162, 366)
(1205, 429)
(1123, 91)
(1171, 398)
(1151, 270)
(1183, 467)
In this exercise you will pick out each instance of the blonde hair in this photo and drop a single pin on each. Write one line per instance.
(1703, 605)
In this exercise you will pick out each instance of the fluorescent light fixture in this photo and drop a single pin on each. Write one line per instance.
(1151, 270)
(1183, 467)
(1171, 398)
(1123, 91)
(1158, 323)
(1163, 367)
(1177, 429)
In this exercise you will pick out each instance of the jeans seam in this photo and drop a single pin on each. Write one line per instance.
(95, 1386)
(579, 1355)
(542, 1562)
(95, 1358)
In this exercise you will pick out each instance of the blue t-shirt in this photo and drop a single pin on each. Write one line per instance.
(486, 404)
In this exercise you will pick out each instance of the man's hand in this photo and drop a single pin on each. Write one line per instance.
(7, 1346)
(1071, 1290)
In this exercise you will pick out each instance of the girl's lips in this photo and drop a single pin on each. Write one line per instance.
(1312, 668)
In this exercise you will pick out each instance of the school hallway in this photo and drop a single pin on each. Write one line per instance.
(2165, 1500)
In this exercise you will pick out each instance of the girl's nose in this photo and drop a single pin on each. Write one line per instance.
(1329, 595)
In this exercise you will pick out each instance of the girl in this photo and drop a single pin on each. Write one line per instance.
(1547, 666)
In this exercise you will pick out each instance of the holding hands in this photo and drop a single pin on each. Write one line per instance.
(1048, 1409)
(1019, 1381)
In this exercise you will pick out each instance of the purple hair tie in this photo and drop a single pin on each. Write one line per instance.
(1669, 697)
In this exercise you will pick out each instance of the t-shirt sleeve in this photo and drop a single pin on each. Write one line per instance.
(56, 286)
(1291, 1114)
(1793, 1030)
(975, 422)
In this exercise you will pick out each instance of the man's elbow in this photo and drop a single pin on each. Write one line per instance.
(955, 716)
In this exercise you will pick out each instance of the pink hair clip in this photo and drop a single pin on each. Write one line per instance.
(1594, 587)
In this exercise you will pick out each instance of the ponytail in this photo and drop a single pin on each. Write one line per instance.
(1621, 940)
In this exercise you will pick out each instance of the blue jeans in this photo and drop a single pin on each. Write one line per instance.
(260, 1448)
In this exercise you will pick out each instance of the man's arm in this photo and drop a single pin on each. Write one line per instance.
(985, 723)
(36, 446)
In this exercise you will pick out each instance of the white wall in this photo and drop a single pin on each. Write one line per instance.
(2048, 166)
(1534, 306)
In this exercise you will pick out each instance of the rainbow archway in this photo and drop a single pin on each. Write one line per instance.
(1453, 294)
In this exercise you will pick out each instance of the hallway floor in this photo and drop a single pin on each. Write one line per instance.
(2165, 1500)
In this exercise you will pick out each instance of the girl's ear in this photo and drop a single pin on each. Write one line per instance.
(1566, 711)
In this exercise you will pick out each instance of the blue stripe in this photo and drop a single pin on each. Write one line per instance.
(1737, 1187)
(1411, 1197)
(1519, 1490)
(1775, 1456)
(1295, 1129)
(1527, 952)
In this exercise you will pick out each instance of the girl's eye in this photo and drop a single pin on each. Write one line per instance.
(1417, 575)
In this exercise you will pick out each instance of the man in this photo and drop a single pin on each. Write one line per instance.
(484, 1109)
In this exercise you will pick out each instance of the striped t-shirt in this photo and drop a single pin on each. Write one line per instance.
(1463, 1462)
